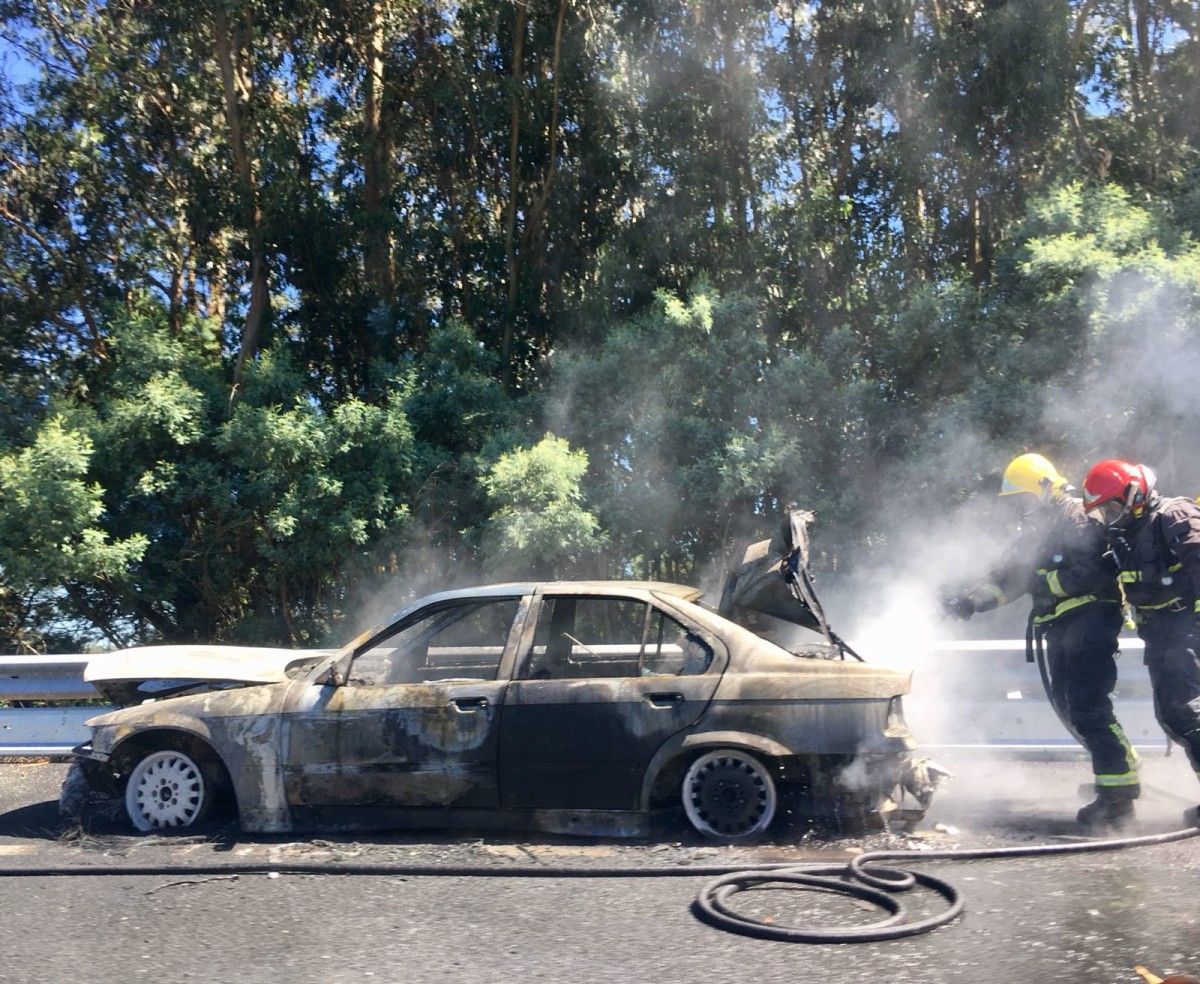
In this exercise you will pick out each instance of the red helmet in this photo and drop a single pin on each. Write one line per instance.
(1113, 480)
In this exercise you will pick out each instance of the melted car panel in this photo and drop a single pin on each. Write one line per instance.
(565, 706)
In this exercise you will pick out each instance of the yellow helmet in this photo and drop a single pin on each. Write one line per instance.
(1033, 474)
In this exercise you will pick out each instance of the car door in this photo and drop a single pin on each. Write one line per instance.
(417, 722)
(601, 682)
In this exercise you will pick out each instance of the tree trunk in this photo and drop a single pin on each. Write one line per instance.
(285, 612)
(512, 258)
(189, 282)
(218, 286)
(236, 89)
(1192, 27)
(175, 304)
(537, 213)
(980, 247)
(799, 133)
(911, 174)
(1135, 80)
(1150, 117)
(378, 255)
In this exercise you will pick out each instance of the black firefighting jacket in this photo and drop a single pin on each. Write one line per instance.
(1058, 559)
(1159, 555)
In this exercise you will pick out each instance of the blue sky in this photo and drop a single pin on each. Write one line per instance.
(16, 68)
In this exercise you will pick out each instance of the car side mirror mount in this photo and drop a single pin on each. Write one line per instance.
(334, 675)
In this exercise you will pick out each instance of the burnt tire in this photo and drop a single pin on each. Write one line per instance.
(729, 795)
(170, 789)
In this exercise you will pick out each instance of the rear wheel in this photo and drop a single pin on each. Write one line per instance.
(729, 795)
(168, 789)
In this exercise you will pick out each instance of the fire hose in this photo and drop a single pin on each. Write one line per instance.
(863, 877)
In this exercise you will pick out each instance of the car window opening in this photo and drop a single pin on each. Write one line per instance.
(460, 642)
(581, 638)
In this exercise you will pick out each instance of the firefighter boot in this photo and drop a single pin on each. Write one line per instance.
(1112, 809)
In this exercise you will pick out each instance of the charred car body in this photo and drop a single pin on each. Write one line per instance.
(580, 707)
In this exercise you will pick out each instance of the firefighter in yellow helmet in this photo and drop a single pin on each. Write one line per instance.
(1058, 559)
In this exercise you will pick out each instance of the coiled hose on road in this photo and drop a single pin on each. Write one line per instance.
(864, 878)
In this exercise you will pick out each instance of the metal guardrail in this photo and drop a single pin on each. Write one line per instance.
(966, 694)
(977, 693)
(39, 731)
(44, 678)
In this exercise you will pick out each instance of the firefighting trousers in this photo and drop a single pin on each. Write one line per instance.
(1081, 649)
(1173, 659)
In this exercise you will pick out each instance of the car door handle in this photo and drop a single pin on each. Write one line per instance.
(664, 700)
(470, 703)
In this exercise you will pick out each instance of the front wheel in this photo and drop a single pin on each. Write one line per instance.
(167, 789)
(729, 795)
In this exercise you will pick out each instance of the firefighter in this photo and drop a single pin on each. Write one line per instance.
(1059, 560)
(1155, 544)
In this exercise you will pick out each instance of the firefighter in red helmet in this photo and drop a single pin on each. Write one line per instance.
(1058, 559)
(1155, 544)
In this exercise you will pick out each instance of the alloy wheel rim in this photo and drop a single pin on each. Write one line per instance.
(165, 790)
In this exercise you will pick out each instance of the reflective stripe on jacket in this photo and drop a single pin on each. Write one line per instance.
(1159, 553)
(1057, 559)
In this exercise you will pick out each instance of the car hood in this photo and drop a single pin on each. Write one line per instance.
(129, 676)
(771, 577)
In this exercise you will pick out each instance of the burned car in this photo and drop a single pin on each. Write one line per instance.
(575, 707)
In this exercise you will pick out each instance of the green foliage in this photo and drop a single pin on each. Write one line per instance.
(50, 527)
(538, 525)
(1115, 285)
(463, 418)
(53, 538)
(197, 519)
(670, 408)
(290, 292)
(1082, 348)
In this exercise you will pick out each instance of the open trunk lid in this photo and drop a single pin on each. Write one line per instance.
(772, 578)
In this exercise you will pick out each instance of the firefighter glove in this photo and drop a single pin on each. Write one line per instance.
(1111, 561)
(959, 606)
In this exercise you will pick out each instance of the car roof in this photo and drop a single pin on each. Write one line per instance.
(660, 587)
(514, 588)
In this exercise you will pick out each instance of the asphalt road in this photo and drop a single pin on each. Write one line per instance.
(1083, 919)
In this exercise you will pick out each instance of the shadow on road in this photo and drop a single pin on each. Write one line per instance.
(37, 820)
